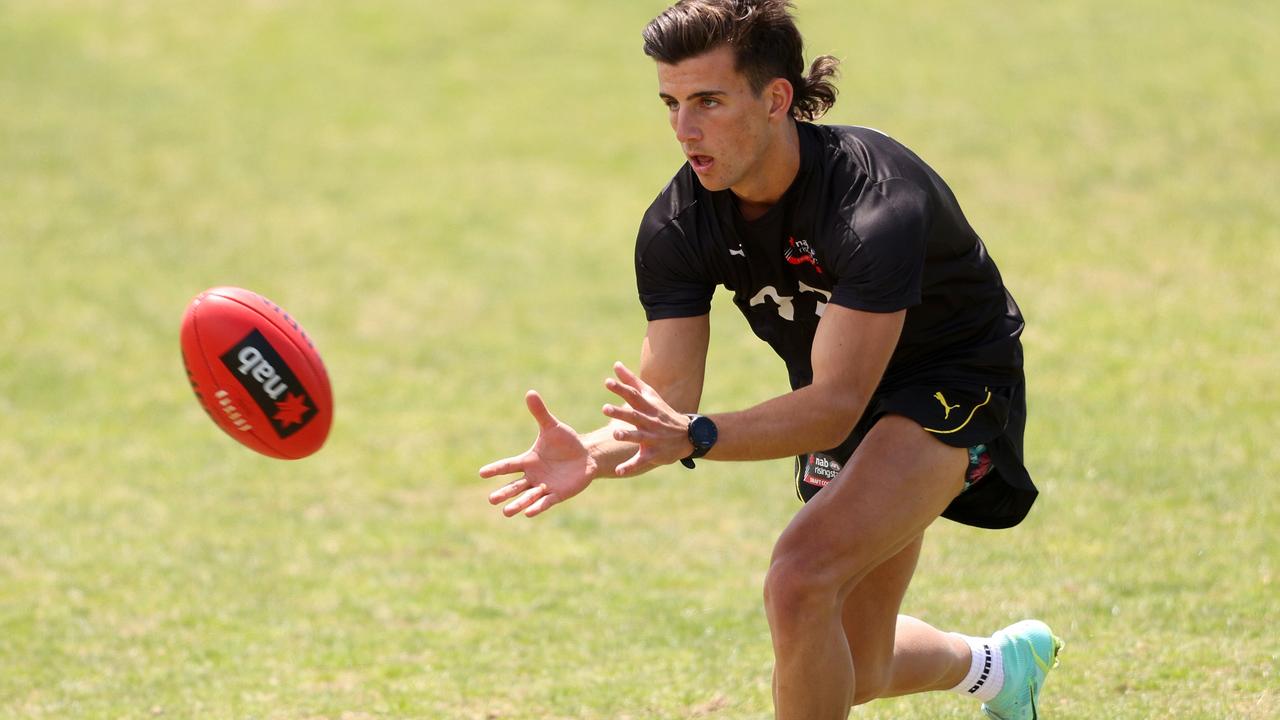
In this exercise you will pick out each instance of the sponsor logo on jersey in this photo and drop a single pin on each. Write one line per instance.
(271, 383)
(799, 252)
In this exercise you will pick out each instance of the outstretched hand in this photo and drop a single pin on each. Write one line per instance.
(556, 468)
(661, 432)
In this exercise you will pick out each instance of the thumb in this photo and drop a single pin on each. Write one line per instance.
(538, 408)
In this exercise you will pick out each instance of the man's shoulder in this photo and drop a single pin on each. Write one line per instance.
(873, 153)
(856, 138)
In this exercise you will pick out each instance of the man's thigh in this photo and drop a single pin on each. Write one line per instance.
(894, 486)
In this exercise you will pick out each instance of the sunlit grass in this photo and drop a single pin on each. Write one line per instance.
(447, 198)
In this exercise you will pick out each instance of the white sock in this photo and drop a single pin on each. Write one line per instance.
(986, 674)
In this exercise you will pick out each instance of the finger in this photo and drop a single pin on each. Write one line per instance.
(628, 393)
(541, 505)
(625, 375)
(538, 408)
(631, 466)
(508, 491)
(525, 500)
(628, 415)
(505, 466)
(635, 435)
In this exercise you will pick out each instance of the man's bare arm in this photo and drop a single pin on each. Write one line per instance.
(850, 353)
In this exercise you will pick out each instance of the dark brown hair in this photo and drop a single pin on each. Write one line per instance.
(764, 39)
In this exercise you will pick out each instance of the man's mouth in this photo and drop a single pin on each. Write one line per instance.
(701, 163)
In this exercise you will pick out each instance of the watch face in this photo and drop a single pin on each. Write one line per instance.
(702, 432)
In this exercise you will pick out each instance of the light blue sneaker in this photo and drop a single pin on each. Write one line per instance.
(1028, 650)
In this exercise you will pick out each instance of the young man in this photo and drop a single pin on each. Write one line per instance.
(852, 259)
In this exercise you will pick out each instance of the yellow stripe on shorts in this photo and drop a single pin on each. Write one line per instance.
(972, 412)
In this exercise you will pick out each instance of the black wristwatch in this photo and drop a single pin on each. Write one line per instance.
(702, 435)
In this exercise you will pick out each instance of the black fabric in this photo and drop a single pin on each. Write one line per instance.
(866, 224)
(965, 416)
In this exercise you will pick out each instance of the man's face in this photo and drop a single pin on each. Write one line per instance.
(720, 123)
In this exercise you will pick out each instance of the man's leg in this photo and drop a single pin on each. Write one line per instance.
(900, 655)
(887, 649)
(898, 482)
(895, 654)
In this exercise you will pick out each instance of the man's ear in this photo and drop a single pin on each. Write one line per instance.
(780, 95)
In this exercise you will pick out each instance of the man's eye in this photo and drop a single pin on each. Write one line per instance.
(709, 102)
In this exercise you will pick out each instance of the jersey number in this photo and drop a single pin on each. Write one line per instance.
(786, 308)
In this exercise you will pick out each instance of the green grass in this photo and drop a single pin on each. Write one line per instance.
(447, 198)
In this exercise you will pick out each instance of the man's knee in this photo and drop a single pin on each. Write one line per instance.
(794, 587)
(803, 581)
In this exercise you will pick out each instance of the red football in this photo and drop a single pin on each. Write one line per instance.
(256, 372)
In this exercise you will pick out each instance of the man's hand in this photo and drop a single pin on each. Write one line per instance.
(556, 468)
(661, 432)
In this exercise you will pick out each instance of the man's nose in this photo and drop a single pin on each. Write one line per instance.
(686, 129)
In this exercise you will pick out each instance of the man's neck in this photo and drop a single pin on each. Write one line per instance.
(778, 169)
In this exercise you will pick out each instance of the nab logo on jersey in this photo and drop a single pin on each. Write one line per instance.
(270, 383)
(799, 252)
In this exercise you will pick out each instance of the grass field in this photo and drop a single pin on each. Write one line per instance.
(447, 195)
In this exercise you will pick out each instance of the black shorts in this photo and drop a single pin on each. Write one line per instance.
(963, 416)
